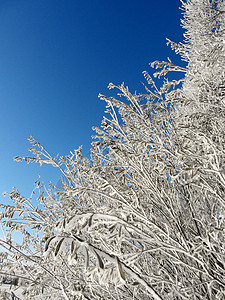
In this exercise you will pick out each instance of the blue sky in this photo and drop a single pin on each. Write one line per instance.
(56, 57)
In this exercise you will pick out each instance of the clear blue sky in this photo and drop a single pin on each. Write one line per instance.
(56, 56)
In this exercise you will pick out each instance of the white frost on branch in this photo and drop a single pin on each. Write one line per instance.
(143, 218)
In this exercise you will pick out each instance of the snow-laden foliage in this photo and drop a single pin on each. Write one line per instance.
(143, 218)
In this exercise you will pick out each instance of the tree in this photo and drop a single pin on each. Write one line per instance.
(143, 218)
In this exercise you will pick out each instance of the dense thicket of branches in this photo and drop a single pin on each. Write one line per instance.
(143, 218)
